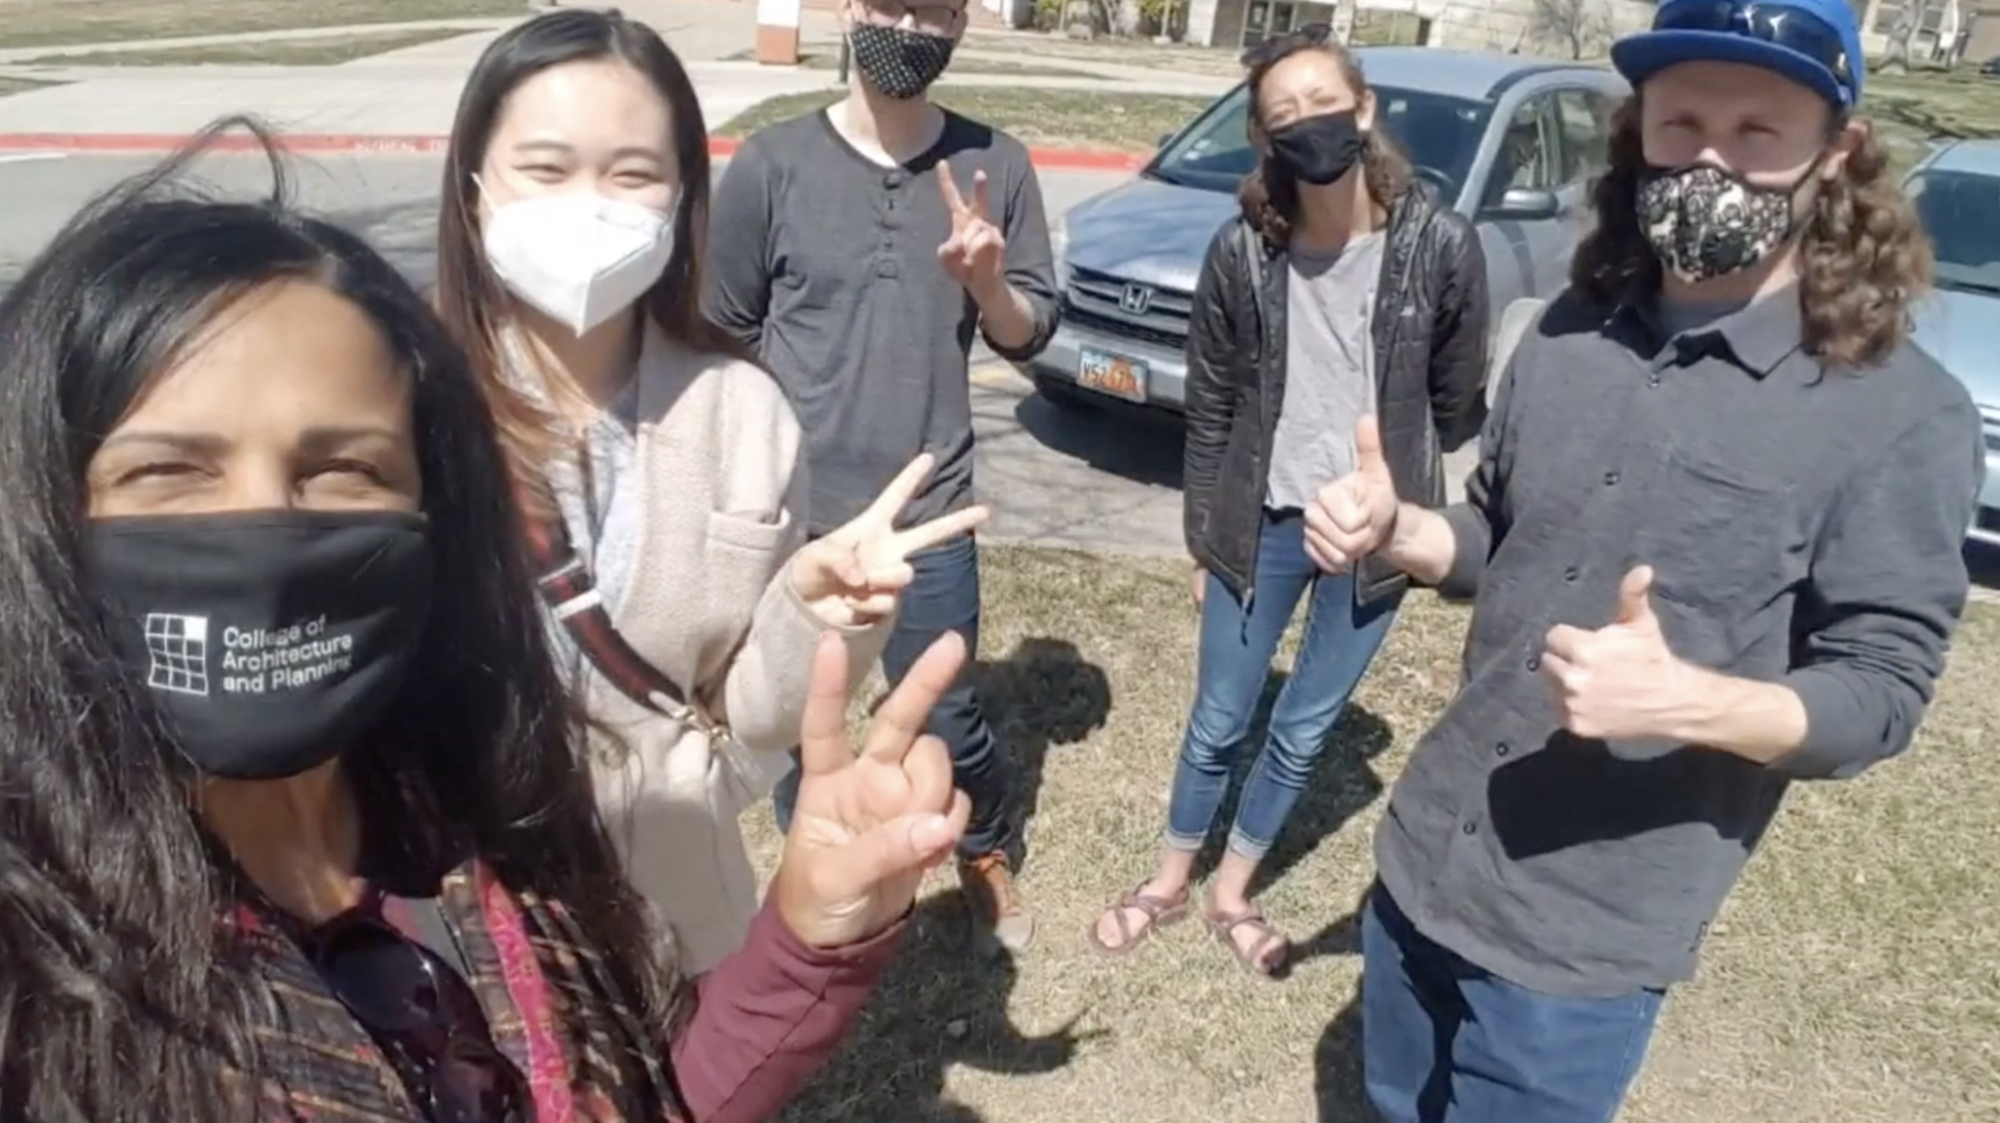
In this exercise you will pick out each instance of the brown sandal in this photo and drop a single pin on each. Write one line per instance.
(1254, 958)
(1159, 912)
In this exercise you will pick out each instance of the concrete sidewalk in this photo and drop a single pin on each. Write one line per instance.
(403, 100)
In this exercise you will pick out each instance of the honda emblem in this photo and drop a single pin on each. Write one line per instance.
(1135, 300)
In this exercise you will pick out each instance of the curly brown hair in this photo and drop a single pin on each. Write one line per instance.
(1864, 257)
(1269, 195)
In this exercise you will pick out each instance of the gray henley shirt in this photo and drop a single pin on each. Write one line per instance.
(824, 262)
(1804, 525)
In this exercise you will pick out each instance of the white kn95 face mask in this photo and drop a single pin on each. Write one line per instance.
(579, 258)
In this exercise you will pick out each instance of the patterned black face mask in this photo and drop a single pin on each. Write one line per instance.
(899, 62)
(1704, 222)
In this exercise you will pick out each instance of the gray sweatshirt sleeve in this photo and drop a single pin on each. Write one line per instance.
(1888, 587)
(736, 289)
(1031, 264)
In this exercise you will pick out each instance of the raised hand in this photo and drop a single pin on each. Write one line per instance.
(1355, 515)
(1621, 681)
(976, 253)
(868, 826)
(853, 575)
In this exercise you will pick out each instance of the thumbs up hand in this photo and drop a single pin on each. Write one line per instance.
(1621, 681)
(1355, 515)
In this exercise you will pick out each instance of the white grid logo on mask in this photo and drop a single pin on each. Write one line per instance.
(178, 647)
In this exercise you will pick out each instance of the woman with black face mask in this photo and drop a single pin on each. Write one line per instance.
(299, 822)
(1339, 325)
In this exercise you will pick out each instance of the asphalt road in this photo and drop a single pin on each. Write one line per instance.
(1109, 482)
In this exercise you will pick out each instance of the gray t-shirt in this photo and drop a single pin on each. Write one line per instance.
(825, 263)
(1329, 367)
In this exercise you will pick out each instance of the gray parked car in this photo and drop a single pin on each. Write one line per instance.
(1956, 189)
(1509, 140)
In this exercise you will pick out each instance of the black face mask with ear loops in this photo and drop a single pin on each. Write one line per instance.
(1319, 149)
(898, 62)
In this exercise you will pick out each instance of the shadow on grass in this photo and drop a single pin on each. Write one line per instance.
(1337, 1084)
(1042, 695)
(938, 1005)
(1337, 1064)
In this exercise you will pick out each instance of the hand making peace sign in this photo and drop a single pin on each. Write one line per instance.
(852, 576)
(976, 253)
(868, 824)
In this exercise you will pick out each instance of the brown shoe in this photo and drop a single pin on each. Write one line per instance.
(988, 882)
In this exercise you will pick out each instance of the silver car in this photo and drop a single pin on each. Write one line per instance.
(1956, 189)
(1510, 141)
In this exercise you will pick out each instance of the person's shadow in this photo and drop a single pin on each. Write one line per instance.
(937, 1006)
(1337, 1066)
(1042, 695)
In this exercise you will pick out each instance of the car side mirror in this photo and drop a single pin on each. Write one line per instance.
(1526, 204)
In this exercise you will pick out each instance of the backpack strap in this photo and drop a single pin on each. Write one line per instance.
(570, 592)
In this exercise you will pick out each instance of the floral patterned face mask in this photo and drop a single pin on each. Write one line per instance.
(1704, 222)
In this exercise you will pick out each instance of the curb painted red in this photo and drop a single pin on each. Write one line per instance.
(1051, 159)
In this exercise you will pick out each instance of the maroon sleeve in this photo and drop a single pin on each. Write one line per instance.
(769, 1016)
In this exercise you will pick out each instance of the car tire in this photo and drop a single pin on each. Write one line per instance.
(1067, 395)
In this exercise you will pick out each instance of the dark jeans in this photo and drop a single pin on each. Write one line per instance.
(944, 597)
(1446, 1042)
(1232, 664)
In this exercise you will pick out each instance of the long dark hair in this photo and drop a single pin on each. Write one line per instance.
(1269, 195)
(122, 999)
(1864, 256)
(470, 296)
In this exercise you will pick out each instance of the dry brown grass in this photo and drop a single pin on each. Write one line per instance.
(328, 50)
(38, 23)
(1855, 977)
(11, 85)
(1095, 120)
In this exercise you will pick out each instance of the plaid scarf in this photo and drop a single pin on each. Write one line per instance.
(554, 1008)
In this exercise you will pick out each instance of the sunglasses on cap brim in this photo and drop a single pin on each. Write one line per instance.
(1779, 25)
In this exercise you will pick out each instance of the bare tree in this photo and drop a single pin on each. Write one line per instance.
(1579, 25)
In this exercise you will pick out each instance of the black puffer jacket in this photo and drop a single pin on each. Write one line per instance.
(1430, 344)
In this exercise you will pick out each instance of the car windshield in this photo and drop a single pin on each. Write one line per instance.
(1440, 133)
(1961, 212)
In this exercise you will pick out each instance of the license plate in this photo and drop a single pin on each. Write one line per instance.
(1112, 374)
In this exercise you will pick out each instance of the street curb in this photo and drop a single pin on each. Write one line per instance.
(310, 144)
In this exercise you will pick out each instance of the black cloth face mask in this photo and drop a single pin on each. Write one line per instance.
(898, 62)
(1319, 149)
(272, 641)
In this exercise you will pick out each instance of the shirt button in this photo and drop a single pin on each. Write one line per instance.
(1610, 478)
(1470, 828)
(1534, 662)
(1571, 574)
(1653, 380)
(1502, 749)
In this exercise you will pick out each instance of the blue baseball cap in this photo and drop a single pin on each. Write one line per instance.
(1816, 43)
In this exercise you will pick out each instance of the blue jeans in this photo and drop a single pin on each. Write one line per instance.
(944, 597)
(1232, 665)
(1446, 1042)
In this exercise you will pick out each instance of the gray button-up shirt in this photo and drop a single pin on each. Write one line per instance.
(1804, 526)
